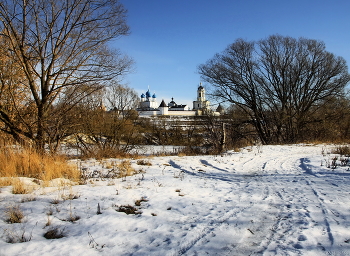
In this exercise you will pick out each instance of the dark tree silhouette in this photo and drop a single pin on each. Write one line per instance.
(277, 81)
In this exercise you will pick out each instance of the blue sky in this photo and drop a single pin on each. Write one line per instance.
(170, 38)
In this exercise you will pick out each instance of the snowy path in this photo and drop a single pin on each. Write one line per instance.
(294, 205)
(271, 200)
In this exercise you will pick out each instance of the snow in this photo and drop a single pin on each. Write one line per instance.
(265, 200)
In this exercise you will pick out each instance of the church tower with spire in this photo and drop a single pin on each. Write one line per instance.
(201, 103)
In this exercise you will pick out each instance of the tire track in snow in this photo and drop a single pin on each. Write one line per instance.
(206, 231)
(227, 176)
(249, 180)
(288, 187)
(220, 219)
(283, 198)
(283, 228)
(310, 180)
(266, 228)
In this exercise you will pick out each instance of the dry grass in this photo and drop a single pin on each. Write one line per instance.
(70, 196)
(49, 221)
(139, 201)
(125, 168)
(103, 153)
(128, 209)
(4, 182)
(55, 233)
(19, 187)
(144, 162)
(28, 163)
(14, 235)
(72, 218)
(29, 198)
(14, 214)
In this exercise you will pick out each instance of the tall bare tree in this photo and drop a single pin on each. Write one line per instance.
(277, 81)
(61, 47)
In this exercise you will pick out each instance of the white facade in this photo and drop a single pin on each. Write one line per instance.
(164, 109)
(148, 102)
(201, 103)
(148, 106)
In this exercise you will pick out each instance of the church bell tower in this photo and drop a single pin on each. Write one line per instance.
(201, 103)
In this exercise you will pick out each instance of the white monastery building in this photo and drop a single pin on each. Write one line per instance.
(148, 106)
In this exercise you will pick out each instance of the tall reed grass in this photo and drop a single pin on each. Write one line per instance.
(21, 162)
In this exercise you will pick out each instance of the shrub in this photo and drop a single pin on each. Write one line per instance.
(342, 150)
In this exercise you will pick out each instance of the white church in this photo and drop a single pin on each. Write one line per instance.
(148, 106)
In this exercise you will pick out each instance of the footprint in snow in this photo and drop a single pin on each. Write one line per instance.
(302, 238)
(297, 246)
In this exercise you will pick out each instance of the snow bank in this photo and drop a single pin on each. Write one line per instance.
(270, 200)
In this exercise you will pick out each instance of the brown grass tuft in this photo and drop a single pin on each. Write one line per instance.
(28, 163)
(4, 182)
(125, 168)
(144, 162)
(19, 187)
(55, 233)
(14, 214)
(139, 201)
(128, 209)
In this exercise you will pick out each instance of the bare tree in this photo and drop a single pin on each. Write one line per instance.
(106, 130)
(121, 98)
(277, 82)
(61, 46)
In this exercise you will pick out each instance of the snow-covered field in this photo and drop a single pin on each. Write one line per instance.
(269, 200)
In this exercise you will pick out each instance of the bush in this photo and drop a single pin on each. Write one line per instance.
(342, 150)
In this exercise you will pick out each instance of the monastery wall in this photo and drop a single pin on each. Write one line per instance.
(181, 113)
(149, 113)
